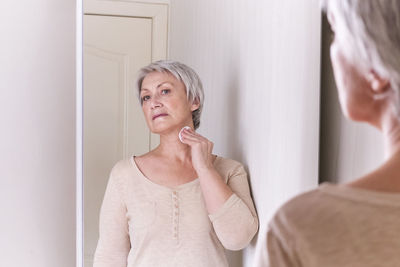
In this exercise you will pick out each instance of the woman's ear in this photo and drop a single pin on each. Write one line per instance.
(195, 104)
(380, 86)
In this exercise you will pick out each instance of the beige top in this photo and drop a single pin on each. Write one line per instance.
(146, 224)
(337, 226)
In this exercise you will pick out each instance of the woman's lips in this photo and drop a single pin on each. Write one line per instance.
(159, 115)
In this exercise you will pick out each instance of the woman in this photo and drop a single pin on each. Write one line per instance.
(354, 224)
(177, 205)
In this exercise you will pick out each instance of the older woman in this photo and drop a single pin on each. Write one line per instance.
(177, 205)
(355, 224)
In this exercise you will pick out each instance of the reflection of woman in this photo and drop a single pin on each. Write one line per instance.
(356, 224)
(178, 205)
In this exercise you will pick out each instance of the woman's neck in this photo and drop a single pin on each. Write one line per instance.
(391, 136)
(387, 177)
(172, 148)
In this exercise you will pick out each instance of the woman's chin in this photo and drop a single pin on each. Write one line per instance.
(156, 131)
(356, 115)
(162, 129)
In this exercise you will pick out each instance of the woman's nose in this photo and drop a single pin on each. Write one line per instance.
(155, 103)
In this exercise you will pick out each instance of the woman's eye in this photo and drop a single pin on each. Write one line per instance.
(145, 98)
(165, 91)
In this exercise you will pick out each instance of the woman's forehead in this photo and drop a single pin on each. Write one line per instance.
(154, 80)
(156, 77)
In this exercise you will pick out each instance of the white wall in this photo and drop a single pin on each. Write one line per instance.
(259, 62)
(348, 149)
(37, 103)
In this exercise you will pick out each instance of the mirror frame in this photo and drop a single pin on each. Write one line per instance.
(79, 133)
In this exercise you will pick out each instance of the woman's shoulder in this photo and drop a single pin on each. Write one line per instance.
(227, 161)
(293, 209)
(318, 218)
(228, 167)
(122, 170)
(301, 214)
(314, 209)
(122, 165)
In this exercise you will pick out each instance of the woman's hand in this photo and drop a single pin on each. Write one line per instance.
(215, 190)
(201, 148)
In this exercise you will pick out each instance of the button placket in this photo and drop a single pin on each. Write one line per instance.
(175, 214)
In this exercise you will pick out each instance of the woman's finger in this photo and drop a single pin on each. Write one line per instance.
(193, 133)
(211, 147)
(192, 136)
(188, 142)
(191, 139)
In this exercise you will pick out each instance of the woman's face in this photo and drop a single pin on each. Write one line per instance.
(354, 89)
(165, 104)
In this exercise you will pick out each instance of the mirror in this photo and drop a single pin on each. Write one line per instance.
(261, 107)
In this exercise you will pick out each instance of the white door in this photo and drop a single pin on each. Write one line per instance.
(115, 47)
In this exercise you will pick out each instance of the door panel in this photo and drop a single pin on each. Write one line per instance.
(114, 126)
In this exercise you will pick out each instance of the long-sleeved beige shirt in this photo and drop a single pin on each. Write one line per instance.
(146, 224)
(336, 226)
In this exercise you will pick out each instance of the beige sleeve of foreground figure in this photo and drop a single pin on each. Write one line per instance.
(280, 252)
(236, 222)
(113, 245)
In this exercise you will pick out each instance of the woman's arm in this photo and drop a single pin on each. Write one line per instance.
(215, 190)
(281, 246)
(236, 222)
(113, 245)
(279, 253)
(230, 205)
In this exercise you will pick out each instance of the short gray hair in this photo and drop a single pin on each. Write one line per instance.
(371, 35)
(185, 74)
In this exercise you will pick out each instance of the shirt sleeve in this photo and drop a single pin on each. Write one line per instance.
(113, 245)
(236, 222)
(279, 254)
(281, 245)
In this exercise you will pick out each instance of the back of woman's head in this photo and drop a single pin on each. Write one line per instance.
(369, 30)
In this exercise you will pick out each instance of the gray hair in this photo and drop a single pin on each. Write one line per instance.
(370, 33)
(185, 74)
